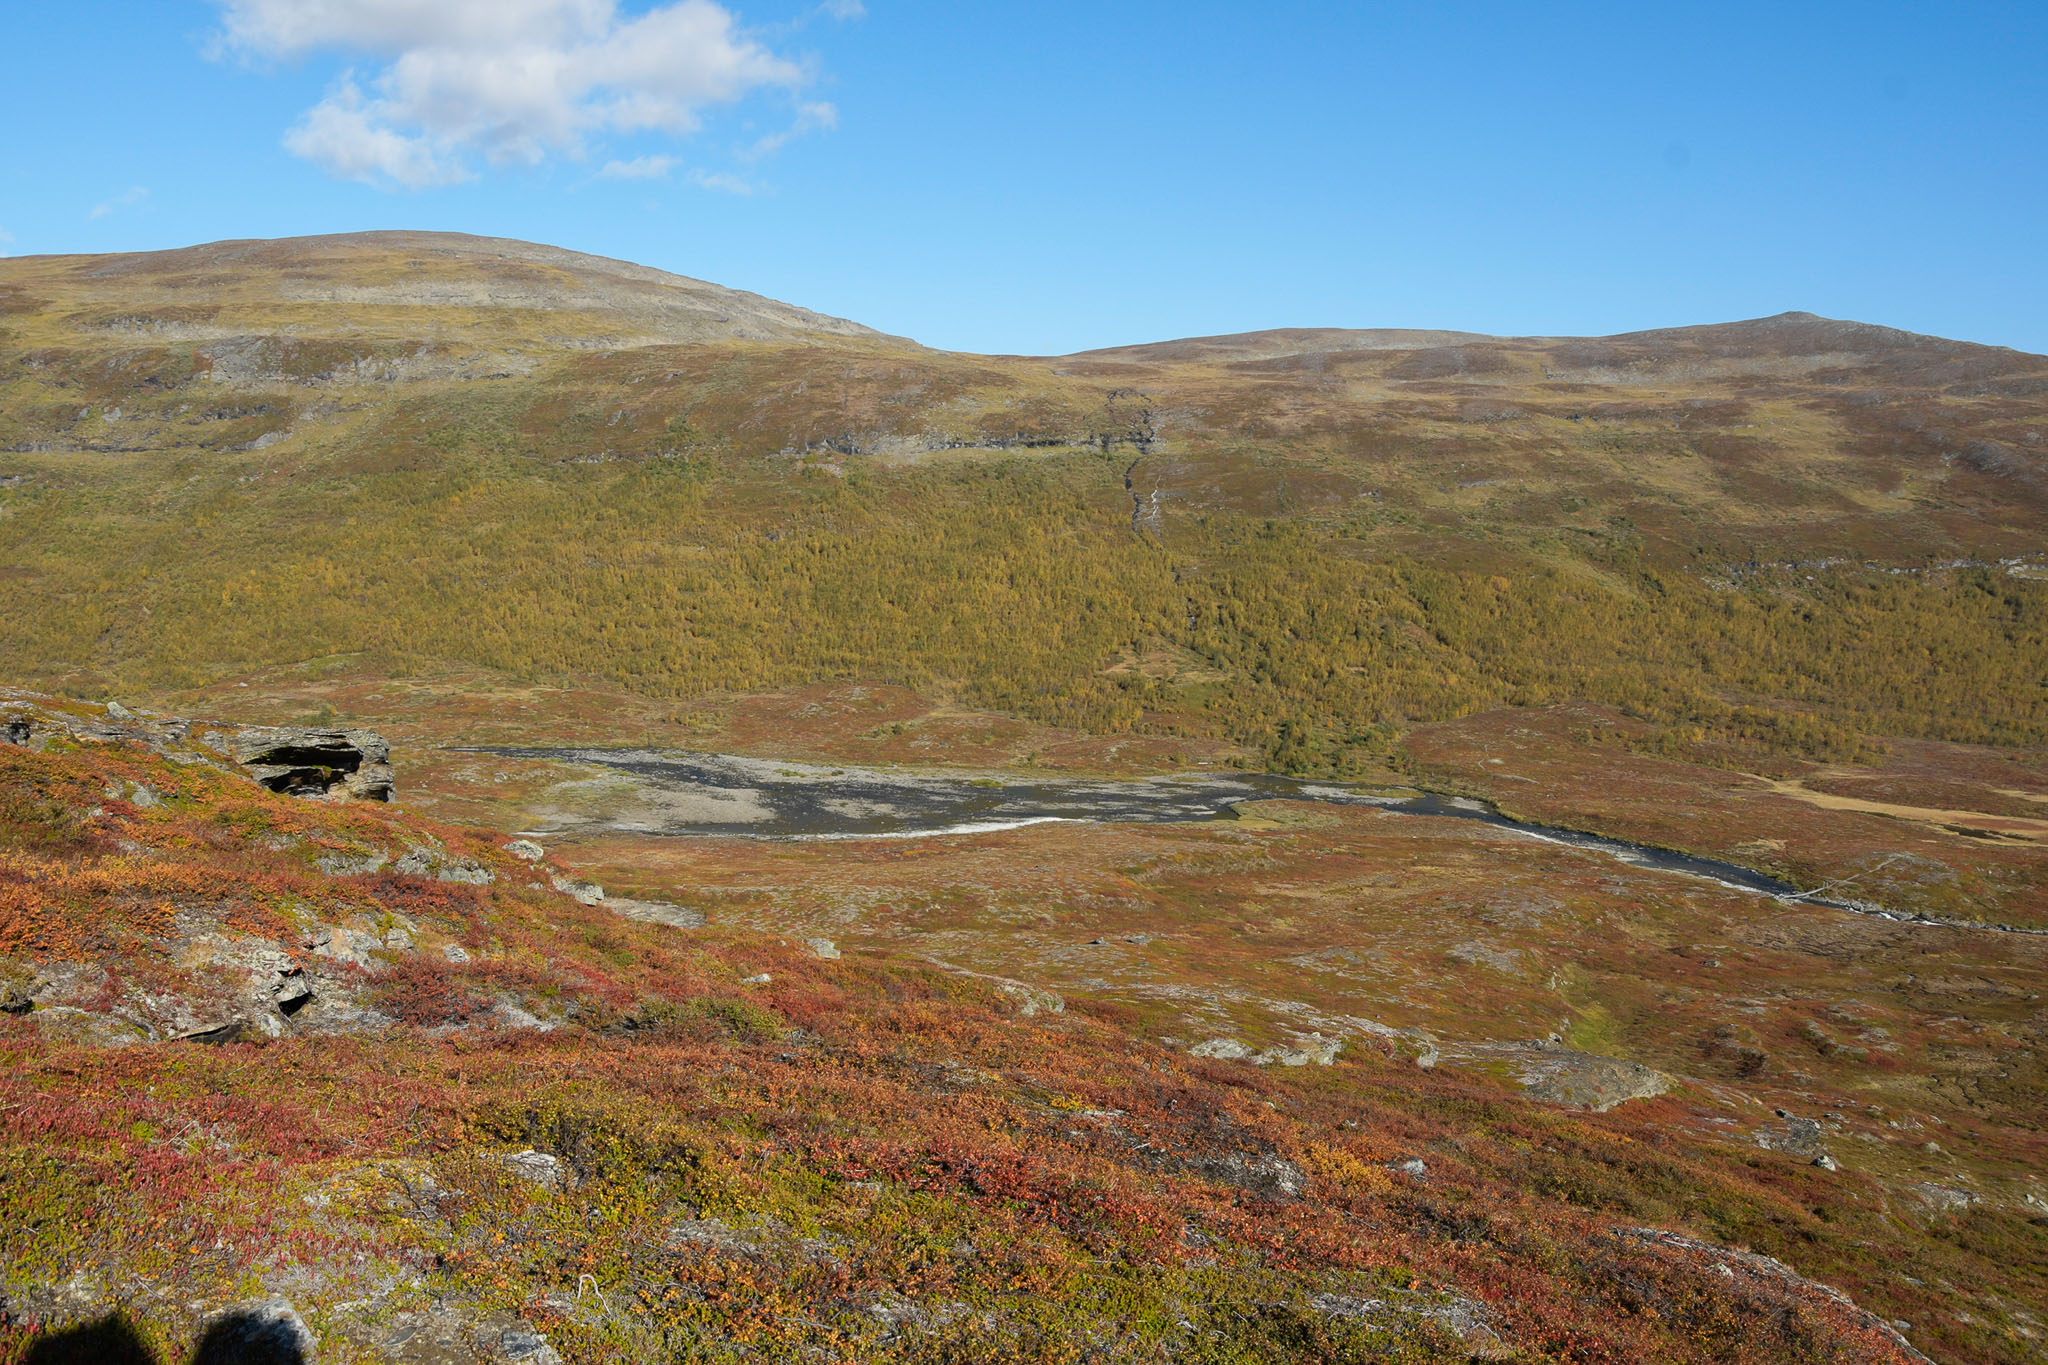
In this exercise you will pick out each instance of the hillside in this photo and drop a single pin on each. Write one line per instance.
(1770, 593)
(254, 454)
(403, 1091)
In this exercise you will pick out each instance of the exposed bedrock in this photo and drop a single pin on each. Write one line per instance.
(298, 761)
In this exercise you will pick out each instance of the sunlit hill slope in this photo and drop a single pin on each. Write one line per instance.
(423, 450)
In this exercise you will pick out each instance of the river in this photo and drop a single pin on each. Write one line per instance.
(722, 794)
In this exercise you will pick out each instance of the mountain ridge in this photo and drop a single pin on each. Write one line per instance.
(410, 269)
(760, 317)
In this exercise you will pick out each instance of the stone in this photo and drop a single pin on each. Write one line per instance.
(1311, 1050)
(537, 1167)
(465, 872)
(524, 1345)
(656, 912)
(1222, 1049)
(345, 944)
(418, 862)
(1026, 1000)
(823, 948)
(513, 1017)
(1413, 1165)
(268, 1330)
(1560, 1076)
(1400, 1309)
(1266, 1173)
(427, 862)
(303, 761)
(1942, 1198)
(350, 864)
(894, 1311)
(16, 998)
(446, 1335)
(589, 893)
(292, 991)
(526, 850)
(760, 980)
(140, 795)
(1467, 1320)
(1826, 1162)
(1797, 1137)
(274, 975)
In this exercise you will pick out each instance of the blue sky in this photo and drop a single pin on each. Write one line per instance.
(1044, 178)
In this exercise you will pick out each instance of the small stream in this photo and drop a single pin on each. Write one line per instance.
(684, 794)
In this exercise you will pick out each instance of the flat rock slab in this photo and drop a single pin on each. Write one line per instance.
(656, 912)
(1582, 1078)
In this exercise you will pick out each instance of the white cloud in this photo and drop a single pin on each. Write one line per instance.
(6, 237)
(639, 168)
(845, 11)
(343, 134)
(723, 182)
(126, 199)
(510, 81)
(810, 117)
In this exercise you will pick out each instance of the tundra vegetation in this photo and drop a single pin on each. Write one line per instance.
(1773, 591)
(509, 1110)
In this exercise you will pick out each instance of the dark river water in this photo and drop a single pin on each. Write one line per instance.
(717, 794)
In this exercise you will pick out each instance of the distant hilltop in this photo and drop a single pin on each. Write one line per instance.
(382, 272)
(372, 280)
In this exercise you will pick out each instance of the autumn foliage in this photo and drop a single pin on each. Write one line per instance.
(855, 1160)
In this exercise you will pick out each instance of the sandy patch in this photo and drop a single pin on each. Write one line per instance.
(2009, 826)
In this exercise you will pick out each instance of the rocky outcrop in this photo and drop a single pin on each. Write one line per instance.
(294, 760)
(650, 912)
(1558, 1075)
(587, 893)
(1311, 1049)
(32, 720)
(297, 761)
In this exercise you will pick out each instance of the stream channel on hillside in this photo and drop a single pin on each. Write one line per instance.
(720, 794)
